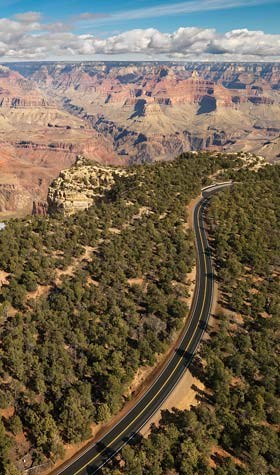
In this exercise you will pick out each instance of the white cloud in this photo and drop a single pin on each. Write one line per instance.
(89, 16)
(28, 17)
(26, 37)
(56, 26)
(185, 43)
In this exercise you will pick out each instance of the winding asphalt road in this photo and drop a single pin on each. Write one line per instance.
(97, 455)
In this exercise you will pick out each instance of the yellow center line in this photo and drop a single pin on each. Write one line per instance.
(165, 383)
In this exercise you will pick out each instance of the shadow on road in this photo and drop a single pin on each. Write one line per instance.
(186, 355)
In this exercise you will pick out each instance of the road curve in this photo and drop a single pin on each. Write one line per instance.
(98, 454)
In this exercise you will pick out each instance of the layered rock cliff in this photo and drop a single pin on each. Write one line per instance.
(37, 140)
(77, 187)
(150, 111)
(127, 113)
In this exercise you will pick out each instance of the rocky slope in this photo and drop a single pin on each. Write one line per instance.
(19, 92)
(151, 111)
(37, 140)
(119, 113)
(76, 188)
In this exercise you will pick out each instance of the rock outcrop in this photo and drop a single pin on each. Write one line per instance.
(39, 208)
(37, 140)
(14, 197)
(77, 187)
(117, 114)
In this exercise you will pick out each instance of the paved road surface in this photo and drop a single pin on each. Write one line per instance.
(96, 456)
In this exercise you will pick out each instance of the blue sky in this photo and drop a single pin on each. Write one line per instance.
(106, 19)
(263, 16)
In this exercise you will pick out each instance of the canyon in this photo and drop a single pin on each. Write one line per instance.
(126, 113)
(38, 138)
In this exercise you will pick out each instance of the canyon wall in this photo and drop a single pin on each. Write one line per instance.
(124, 113)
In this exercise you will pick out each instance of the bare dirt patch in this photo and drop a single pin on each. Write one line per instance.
(182, 397)
(136, 281)
(190, 281)
(72, 449)
(7, 412)
(114, 230)
(218, 453)
(70, 270)
(190, 210)
(39, 292)
(3, 278)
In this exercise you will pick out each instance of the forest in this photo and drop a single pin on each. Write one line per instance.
(89, 299)
(235, 428)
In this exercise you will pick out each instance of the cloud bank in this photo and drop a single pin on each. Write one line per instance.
(26, 37)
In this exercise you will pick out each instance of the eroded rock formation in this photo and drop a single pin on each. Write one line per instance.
(128, 113)
(76, 188)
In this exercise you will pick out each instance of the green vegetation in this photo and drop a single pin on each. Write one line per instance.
(91, 298)
(237, 422)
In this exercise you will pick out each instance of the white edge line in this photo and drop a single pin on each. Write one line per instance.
(74, 460)
(173, 386)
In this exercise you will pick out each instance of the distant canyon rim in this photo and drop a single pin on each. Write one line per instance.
(124, 113)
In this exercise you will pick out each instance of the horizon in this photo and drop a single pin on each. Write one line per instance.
(143, 61)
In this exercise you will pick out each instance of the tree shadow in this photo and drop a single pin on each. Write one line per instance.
(186, 355)
(196, 368)
(108, 453)
(201, 395)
